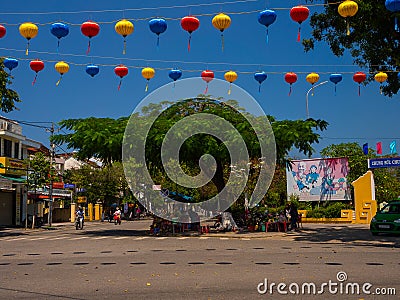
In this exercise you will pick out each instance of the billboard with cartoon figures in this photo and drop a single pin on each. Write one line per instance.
(320, 179)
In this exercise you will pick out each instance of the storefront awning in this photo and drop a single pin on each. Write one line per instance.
(21, 180)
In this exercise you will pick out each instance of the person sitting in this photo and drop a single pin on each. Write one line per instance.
(282, 222)
(117, 216)
(80, 212)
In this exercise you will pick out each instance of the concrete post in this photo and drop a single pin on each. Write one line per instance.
(73, 210)
(90, 209)
(97, 211)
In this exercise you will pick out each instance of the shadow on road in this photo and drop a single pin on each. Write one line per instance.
(115, 232)
(349, 235)
(5, 232)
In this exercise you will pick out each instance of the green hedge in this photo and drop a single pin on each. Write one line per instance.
(333, 210)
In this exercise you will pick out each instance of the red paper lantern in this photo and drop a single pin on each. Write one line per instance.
(359, 77)
(121, 71)
(290, 78)
(36, 65)
(207, 76)
(90, 29)
(2, 31)
(190, 24)
(299, 14)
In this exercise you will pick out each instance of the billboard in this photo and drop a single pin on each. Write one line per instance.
(12, 166)
(320, 179)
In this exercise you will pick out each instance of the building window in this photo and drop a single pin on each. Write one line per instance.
(7, 148)
(16, 150)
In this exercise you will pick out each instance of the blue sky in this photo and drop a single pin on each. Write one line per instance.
(366, 118)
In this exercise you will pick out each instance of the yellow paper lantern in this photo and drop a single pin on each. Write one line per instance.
(62, 68)
(230, 76)
(381, 77)
(124, 28)
(28, 30)
(312, 78)
(221, 22)
(348, 9)
(148, 73)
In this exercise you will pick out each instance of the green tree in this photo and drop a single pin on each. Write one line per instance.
(39, 166)
(94, 137)
(91, 138)
(105, 185)
(8, 97)
(373, 42)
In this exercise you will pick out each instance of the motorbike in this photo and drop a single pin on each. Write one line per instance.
(79, 222)
(117, 219)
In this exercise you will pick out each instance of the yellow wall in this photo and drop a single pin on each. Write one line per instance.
(364, 198)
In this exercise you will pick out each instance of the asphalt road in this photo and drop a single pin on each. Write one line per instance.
(105, 261)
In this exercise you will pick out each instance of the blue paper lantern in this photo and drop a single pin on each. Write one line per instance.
(175, 74)
(10, 63)
(92, 70)
(59, 30)
(266, 18)
(393, 6)
(260, 77)
(335, 78)
(158, 26)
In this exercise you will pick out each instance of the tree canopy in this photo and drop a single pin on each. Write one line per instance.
(94, 137)
(373, 41)
(102, 138)
(8, 97)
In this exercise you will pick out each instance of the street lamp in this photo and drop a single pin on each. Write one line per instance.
(319, 84)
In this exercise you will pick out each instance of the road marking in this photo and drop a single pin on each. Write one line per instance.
(182, 238)
(142, 238)
(16, 239)
(100, 237)
(162, 238)
(245, 239)
(224, 238)
(121, 238)
(204, 238)
(59, 238)
(39, 238)
(79, 238)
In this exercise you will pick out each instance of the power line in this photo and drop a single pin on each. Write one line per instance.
(145, 63)
(154, 8)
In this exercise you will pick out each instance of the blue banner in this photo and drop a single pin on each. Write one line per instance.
(384, 162)
(69, 186)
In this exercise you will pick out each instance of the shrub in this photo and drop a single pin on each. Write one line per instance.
(318, 212)
(333, 210)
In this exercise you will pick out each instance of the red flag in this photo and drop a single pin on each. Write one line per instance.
(379, 147)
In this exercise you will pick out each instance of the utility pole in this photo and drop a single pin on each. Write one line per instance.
(52, 146)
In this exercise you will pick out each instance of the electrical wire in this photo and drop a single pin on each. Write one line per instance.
(151, 17)
(145, 63)
(128, 9)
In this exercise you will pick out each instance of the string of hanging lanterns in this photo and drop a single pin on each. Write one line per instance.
(207, 75)
(221, 21)
(190, 23)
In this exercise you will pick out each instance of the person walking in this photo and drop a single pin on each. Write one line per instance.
(294, 214)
